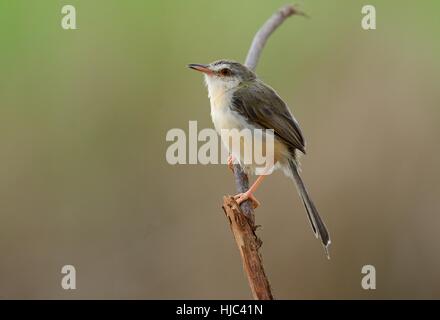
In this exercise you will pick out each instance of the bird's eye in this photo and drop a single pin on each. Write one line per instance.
(225, 72)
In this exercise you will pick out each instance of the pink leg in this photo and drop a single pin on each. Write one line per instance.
(231, 160)
(249, 194)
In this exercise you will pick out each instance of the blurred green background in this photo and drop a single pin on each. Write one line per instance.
(84, 181)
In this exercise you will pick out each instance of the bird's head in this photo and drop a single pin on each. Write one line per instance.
(224, 73)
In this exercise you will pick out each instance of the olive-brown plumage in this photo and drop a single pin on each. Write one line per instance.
(240, 100)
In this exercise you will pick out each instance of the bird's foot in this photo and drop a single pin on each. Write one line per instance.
(241, 197)
(231, 160)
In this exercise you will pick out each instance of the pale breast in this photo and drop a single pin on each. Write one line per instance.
(224, 118)
(222, 115)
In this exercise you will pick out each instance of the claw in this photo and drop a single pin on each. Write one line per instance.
(241, 197)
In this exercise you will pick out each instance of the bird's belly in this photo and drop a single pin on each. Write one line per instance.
(243, 147)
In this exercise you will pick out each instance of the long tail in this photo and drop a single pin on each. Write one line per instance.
(316, 222)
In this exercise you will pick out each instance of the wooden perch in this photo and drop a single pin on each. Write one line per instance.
(242, 219)
(248, 244)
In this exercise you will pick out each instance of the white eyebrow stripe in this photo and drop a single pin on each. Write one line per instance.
(220, 66)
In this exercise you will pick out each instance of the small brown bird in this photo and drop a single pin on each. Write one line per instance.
(239, 100)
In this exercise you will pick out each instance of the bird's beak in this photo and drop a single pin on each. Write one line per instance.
(200, 67)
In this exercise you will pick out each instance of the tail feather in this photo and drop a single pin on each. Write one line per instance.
(316, 222)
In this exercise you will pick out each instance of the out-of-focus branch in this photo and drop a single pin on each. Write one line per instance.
(265, 31)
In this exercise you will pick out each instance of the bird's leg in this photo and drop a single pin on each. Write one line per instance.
(231, 160)
(239, 198)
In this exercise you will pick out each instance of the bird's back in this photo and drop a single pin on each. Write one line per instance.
(262, 107)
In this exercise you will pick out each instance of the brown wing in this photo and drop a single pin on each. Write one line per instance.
(263, 108)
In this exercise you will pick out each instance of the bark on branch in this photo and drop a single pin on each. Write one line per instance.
(248, 244)
(242, 219)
